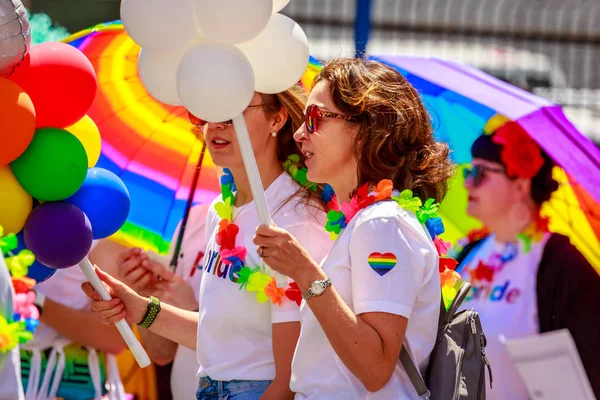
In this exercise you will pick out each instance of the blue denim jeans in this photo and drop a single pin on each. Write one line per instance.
(209, 389)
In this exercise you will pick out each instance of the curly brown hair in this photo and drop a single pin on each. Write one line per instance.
(294, 101)
(395, 140)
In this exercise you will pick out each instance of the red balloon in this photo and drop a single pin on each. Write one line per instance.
(61, 82)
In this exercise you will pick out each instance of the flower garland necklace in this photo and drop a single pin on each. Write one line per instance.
(338, 217)
(253, 279)
(19, 328)
(497, 260)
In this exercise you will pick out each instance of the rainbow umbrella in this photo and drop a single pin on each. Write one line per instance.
(150, 145)
(461, 100)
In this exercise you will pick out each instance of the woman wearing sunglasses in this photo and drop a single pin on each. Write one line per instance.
(367, 134)
(525, 279)
(246, 329)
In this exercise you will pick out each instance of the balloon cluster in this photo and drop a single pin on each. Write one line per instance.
(211, 55)
(51, 194)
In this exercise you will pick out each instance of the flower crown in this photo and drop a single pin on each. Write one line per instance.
(521, 155)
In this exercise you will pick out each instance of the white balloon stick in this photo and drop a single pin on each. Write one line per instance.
(258, 192)
(134, 345)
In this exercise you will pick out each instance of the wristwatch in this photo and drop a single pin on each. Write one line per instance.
(316, 288)
(151, 312)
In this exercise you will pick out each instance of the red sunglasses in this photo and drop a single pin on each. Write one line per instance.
(198, 122)
(313, 113)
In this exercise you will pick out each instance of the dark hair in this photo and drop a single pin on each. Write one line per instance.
(395, 140)
(542, 184)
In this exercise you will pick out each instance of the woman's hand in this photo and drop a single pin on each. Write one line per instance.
(125, 302)
(282, 252)
(131, 271)
(172, 288)
(140, 273)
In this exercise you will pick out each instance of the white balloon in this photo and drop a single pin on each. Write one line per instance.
(232, 21)
(279, 5)
(158, 73)
(279, 55)
(215, 81)
(15, 37)
(160, 24)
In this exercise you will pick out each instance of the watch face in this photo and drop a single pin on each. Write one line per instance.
(316, 288)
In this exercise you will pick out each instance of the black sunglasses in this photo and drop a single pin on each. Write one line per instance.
(478, 173)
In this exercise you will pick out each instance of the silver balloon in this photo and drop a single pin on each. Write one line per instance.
(15, 35)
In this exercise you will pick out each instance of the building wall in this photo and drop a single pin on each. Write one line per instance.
(76, 15)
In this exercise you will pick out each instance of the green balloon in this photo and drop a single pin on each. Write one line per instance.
(54, 165)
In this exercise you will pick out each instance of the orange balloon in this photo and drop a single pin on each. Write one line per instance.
(17, 121)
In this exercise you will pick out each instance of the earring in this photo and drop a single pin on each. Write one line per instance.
(274, 134)
(519, 215)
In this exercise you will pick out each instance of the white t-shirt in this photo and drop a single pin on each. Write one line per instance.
(384, 261)
(234, 329)
(507, 306)
(10, 365)
(189, 266)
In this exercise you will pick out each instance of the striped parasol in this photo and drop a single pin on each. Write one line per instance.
(150, 145)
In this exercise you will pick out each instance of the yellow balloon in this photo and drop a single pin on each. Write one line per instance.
(15, 202)
(88, 134)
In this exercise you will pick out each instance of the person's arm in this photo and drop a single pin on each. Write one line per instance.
(82, 327)
(576, 293)
(171, 323)
(368, 342)
(176, 291)
(285, 338)
(116, 260)
(160, 350)
(133, 267)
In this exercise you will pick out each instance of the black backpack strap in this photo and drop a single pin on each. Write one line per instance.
(413, 374)
(467, 249)
(407, 363)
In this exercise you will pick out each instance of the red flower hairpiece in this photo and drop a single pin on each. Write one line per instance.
(520, 154)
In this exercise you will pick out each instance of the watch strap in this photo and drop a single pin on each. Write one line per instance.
(325, 283)
(151, 312)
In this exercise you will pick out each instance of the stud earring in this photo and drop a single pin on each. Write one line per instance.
(274, 134)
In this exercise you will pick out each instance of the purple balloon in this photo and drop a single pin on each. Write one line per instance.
(59, 234)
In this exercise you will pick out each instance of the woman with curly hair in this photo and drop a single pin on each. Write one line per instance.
(367, 134)
(245, 328)
(526, 280)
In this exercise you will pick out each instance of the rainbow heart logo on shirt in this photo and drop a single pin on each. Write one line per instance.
(382, 263)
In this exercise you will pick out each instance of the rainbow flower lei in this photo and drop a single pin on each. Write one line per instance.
(338, 218)
(250, 279)
(25, 319)
(485, 270)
